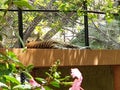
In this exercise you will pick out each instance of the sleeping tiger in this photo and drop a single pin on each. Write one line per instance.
(51, 44)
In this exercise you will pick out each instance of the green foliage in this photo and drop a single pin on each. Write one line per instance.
(41, 80)
(4, 86)
(11, 79)
(11, 68)
(22, 3)
(41, 3)
(68, 5)
(48, 88)
(55, 84)
(22, 87)
(54, 78)
(18, 3)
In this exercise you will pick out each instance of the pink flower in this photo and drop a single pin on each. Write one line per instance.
(34, 83)
(75, 73)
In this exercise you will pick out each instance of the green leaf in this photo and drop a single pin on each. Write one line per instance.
(7, 2)
(4, 70)
(66, 83)
(29, 68)
(20, 65)
(11, 79)
(22, 87)
(65, 78)
(3, 85)
(12, 67)
(62, 7)
(28, 75)
(56, 75)
(3, 57)
(49, 75)
(11, 56)
(22, 3)
(41, 80)
(55, 84)
(18, 36)
(47, 88)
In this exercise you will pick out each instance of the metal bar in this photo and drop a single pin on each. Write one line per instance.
(20, 26)
(89, 11)
(86, 23)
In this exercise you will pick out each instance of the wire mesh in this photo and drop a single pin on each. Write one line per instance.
(66, 27)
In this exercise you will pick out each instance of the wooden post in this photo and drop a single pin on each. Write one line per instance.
(116, 70)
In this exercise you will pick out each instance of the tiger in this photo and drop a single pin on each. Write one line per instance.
(47, 44)
(51, 44)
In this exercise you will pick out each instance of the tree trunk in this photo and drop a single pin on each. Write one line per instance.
(32, 26)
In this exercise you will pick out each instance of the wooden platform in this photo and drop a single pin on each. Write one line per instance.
(46, 57)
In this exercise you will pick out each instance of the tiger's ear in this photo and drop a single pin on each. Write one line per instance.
(27, 41)
(39, 39)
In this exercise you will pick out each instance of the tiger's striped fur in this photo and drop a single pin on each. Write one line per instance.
(50, 44)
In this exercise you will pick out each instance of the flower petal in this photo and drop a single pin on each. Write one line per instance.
(76, 73)
(34, 83)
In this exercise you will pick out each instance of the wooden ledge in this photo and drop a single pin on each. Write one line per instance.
(67, 57)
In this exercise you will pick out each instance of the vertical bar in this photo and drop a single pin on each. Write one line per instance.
(20, 26)
(86, 23)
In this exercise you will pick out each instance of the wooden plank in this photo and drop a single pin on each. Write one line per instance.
(67, 57)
